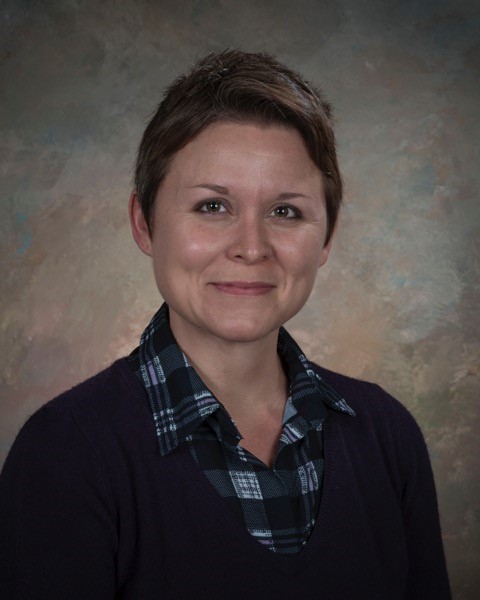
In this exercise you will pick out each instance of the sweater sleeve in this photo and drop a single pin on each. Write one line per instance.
(427, 572)
(57, 529)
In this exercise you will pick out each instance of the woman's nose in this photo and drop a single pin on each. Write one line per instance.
(250, 241)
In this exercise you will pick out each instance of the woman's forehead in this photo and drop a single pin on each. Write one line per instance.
(235, 154)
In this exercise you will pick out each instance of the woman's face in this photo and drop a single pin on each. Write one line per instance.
(238, 231)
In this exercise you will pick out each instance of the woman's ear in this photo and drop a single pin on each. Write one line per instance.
(327, 247)
(325, 253)
(140, 231)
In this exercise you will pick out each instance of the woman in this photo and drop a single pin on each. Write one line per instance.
(216, 461)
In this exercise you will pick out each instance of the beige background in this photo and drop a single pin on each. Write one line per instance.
(398, 301)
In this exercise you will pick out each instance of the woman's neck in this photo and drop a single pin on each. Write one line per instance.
(246, 377)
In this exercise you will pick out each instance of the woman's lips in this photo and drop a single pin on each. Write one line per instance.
(243, 288)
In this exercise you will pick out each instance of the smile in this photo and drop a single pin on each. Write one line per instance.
(243, 288)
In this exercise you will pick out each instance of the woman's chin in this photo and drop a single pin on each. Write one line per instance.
(244, 330)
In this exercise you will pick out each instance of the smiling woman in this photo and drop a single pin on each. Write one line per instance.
(232, 259)
(217, 449)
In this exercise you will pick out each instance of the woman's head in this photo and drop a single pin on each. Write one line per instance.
(240, 87)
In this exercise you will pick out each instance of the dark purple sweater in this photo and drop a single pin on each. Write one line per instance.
(90, 510)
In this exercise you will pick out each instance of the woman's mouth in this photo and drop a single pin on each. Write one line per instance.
(243, 288)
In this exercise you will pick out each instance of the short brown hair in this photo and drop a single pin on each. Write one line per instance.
(237, 86)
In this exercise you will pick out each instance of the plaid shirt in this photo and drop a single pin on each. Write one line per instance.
(278, 505)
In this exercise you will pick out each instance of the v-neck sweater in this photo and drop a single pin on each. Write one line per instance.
(90, 509)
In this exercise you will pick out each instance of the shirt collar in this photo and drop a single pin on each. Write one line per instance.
(180, 401)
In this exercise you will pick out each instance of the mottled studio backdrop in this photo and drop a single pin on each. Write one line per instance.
(398, 301)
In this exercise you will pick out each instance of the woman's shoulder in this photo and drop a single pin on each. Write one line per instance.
(382, 425)
(373, 405)
(104, 406)
(112, 383)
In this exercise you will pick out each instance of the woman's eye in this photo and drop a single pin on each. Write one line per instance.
(212, 206)
(286, 212)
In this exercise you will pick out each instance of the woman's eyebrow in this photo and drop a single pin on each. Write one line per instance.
(290, 195)
(220, 189)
